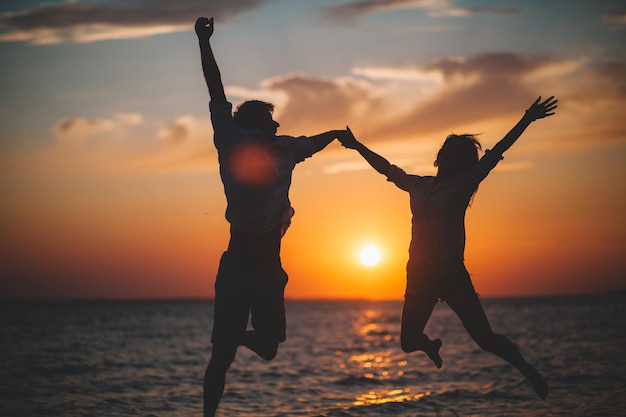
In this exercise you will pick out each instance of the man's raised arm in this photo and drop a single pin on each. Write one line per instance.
(204, 30)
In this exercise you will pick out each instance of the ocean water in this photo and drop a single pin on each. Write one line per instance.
(342, 358)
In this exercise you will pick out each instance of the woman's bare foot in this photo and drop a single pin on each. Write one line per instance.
(423, 343)
(536, 380)
(433, 352)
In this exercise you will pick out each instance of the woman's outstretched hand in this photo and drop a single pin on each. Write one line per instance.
(539, 110)
(348, 140)
(204, 28)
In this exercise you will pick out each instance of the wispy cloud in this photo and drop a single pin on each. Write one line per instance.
(81, 22)
(615, 18)
(77, 130)
(316, 104)
(345, 167)
(348, 13)
(460, 12)
(390, 102)
(182, 144)
(393, 102)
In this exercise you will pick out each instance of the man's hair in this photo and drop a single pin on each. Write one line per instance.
(458, 154)
(248, 113)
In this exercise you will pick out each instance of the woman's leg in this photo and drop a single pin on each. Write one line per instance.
(470, 311)
(415, 315)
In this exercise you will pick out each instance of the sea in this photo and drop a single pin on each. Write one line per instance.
(341, 359)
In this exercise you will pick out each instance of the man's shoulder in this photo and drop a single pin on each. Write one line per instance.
(288, 141)
(299, 148)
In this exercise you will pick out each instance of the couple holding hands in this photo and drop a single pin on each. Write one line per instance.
(256, 168)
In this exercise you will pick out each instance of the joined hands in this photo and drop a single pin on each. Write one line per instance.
(347, 139)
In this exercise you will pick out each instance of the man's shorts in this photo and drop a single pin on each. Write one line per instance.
(242, 290)
(440, 281)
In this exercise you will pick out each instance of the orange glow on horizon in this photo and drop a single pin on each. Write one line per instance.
(167, 244)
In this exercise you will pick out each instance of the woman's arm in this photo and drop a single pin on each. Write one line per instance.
(204, 30)
(536, 111)
(377, 162)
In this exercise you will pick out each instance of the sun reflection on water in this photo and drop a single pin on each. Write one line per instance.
(382, 361)
(391, 396)
(381, 365)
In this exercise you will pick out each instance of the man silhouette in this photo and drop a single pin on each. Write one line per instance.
(255, 168)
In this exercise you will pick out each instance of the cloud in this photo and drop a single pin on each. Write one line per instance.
(614, 18)
(185, 144)
(492, 65)
(84, 148)
(411, 74)
(390, 102)
(614, 72)
(264, 93)
(77, 130)
(597, 95)
(314, 105)
(346, 166)
(127, 145)
(477, 88)
(80, 22)
(395, 102)
(82, 127)
(176, 132)
(477, 10)
(347, 13)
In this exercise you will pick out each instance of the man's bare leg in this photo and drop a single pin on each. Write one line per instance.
(215, 377)
(262, 348)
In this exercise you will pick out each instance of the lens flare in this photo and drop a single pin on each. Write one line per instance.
(253, 164)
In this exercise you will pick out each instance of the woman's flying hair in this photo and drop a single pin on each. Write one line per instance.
(458, 154)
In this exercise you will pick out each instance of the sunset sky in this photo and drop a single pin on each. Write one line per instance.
(109, 184)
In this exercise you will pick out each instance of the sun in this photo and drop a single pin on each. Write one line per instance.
(369, 255)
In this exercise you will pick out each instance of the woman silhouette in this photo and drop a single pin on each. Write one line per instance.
(436, 269)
